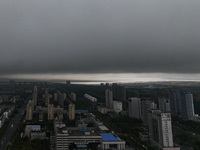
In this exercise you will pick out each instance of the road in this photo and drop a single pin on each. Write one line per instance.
(8, 133)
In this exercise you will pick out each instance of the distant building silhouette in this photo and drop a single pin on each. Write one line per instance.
(146, 105)
(109, 98)
(134, 107)
(73, 96)
(181, 102)
(46, 97)
(29, 110)
(68, 82)
(164, 104)
(71, 112)
(119, 92)
(60, 98)
(55, 96)
(35, 95)
(50, 112)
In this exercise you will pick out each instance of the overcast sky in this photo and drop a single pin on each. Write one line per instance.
(99, 36)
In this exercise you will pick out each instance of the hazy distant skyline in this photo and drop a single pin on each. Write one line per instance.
(95, 37)
(94, 78)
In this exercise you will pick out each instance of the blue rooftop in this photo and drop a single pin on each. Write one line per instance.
(83, 110)
(83, 130)
(108, 137)
(34, 127)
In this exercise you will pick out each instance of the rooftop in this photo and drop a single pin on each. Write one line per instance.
(34, 127)
(83, 133)
(108, 137)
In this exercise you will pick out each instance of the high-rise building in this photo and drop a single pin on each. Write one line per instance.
(50, 112)
(160, 128)
(175, 101)
(146, 105)
(134, 106)
(35, 95)
(117, 106)
(73, 96)
(109, 98)
(61, 98)
(29, 110)
(55, 97)
(119, 92)
(187, 106)
(64, 96)
(71, 111)
(164, 104)
(46, 97)
(181, 102)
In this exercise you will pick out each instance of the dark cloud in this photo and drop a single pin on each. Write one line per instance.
(99, 36)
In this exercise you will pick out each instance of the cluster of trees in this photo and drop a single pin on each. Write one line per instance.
(128, 129)
(186, 133)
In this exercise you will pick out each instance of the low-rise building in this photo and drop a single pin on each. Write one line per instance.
(83, 135)
(102, 109)
(111, 141)
(31, 128)
(38, 135)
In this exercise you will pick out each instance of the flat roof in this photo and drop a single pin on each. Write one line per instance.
(34, 127)
(103, 128)
(108, 137)
(81, 110)
(82, 133)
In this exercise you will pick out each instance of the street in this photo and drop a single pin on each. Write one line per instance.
(8, 133)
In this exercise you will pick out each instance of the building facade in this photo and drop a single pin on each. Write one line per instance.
(117, 106)
(164, 104)
(146, 105)
(181, 102)
(35, 95)
(50, 112)
(119, 92)
(71, 112)
(109, 98)
(134, 106)
(160, 128)
(73, 96)
(29, 110)
(46, 97)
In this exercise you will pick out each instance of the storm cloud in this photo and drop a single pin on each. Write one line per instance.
(99, 36)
